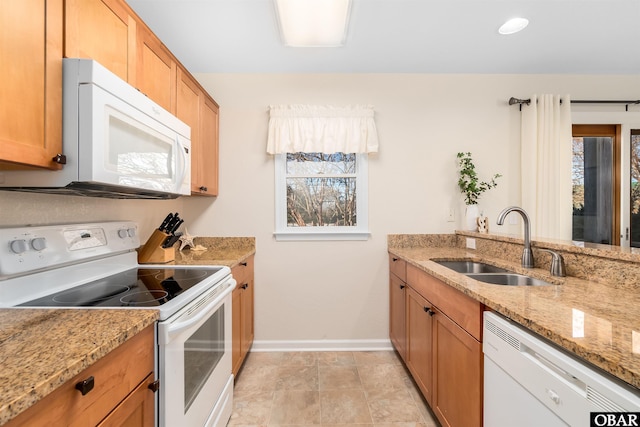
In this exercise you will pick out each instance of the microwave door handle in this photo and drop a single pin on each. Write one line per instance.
(175, 328)
(183, 156)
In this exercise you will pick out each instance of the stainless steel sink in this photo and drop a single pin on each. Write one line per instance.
(509, 279)
(467, 267)
(490, 274)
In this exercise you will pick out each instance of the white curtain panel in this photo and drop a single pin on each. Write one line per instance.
(546, 165)
(321, 129)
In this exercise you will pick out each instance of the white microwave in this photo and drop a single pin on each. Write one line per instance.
(117, 142)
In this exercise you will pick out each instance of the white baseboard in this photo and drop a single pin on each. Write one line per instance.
(323, 345)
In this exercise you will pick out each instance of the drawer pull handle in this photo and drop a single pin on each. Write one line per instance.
(154, 386)
(428, 310)
(85, 386)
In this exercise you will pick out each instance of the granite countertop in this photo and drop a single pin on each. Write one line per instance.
(229, 251)
(41, 349)
(596, 321)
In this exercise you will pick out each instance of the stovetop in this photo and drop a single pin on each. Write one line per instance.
(137, 287)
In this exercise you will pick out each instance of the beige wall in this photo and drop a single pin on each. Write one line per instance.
(335, 293)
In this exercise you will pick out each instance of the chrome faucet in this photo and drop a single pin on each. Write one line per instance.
(527, 255)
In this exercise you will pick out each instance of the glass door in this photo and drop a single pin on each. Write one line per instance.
(596, 184)
(634, 203)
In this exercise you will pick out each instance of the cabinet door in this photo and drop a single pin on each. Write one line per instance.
(247, 315)
(236, 330)
(137, 410)
(104, 30)
(419, 341)
(457, 371)
(188, 110)
(397, 314)
(31, 82)
(204, 165)
(156, 70)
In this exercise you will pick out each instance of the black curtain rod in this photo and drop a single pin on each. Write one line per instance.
(513, 101)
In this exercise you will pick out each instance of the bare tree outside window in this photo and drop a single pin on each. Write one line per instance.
(321, 189)
(635, 188)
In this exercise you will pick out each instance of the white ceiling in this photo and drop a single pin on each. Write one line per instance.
(407, 36)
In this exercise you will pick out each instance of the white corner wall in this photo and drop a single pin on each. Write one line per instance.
(334, 294)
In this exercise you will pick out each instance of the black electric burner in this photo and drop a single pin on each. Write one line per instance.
(137, 287)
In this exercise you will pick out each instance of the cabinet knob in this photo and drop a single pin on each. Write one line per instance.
(401, 286)
(203, 188)
(60, 159)
(245, 286)
(394, 259)
(154, 386)
(244, 264)
(85, 386)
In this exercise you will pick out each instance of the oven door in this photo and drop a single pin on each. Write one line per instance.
(194, 360)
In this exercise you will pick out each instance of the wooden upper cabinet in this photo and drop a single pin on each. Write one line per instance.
(204, 176)
(30, 83)
(104, 30)
(156, 69)
(200, 112)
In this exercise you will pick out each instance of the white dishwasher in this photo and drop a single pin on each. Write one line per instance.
(530, 383)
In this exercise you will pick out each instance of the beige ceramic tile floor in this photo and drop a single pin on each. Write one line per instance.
(327, 388)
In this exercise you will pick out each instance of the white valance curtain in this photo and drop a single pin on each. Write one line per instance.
(321, 129)
(546, 165)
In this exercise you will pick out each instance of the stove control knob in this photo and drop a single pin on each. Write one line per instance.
(131, 232)
(39, 243)
(19, 246)
(122, 233)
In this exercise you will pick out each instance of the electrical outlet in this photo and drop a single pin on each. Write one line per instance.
(471, 243)
(451, 215)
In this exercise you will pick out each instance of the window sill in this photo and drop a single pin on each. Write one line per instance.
(311, 235)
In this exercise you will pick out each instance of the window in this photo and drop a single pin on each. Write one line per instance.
(321, 196)
(596, 184)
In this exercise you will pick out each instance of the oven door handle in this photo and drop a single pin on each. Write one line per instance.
(203, 312)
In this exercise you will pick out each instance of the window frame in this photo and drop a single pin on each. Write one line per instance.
(358, 232)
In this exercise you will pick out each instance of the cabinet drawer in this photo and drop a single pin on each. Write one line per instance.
(463, 310)
(114, 377)
(243, 272)
(398, 267)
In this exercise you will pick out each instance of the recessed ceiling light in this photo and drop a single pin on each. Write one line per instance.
(513, 26)
(312, 23)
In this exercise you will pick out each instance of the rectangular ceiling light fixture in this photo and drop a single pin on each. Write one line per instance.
(313, 23)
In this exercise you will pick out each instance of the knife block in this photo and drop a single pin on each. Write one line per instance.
(153, 253)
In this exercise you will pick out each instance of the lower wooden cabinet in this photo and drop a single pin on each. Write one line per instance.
(116, 391)
(242, 316)
(457, 374)
(137, 409)
(420, 343)
(442, 345)
(397, 314)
